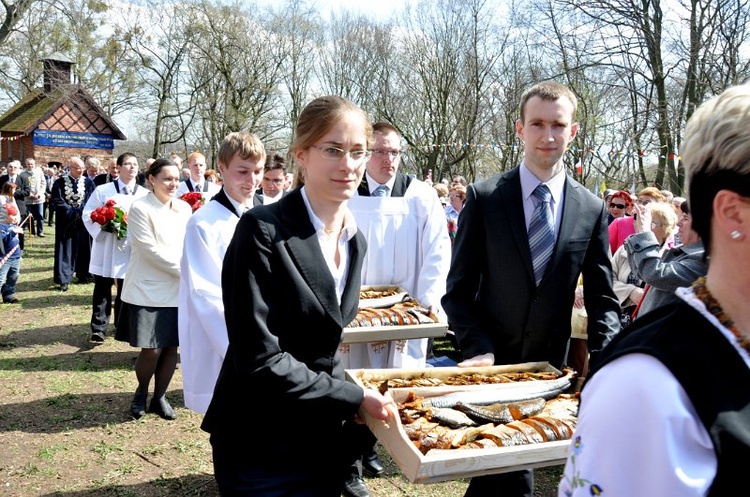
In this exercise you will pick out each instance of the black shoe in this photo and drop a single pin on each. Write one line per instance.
(41, 235)
(12, 300)
(97, 337)
(138, 406)
(355, 487)
(373, 465)
(64, 287)
(161, 407)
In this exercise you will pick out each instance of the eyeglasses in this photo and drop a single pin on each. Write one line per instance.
(333, 153)
(382, 153)
(616, 206)
(454, 195)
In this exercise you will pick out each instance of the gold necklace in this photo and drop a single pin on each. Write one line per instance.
(712, 306)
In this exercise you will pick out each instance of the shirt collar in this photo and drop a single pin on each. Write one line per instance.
(350, 226)
(529, 182)
(238, 207)
(372, 184)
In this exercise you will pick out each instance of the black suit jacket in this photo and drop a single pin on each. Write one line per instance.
(223, 199)
(492, 301)
(399, 186)
(281, 388)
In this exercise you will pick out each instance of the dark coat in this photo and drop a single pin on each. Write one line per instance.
(492, 301)
(281, 389)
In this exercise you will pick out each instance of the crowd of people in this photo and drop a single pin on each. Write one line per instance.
(204, 264)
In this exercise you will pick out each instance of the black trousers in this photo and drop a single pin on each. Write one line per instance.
(101, 306)
(514, 484)
(362, 445)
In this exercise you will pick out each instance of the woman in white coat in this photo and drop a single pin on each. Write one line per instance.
(156, 230)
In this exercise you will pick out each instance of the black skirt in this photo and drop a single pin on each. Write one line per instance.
(147, 327)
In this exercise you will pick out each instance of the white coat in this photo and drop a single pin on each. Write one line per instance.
(202, 329)
(408, 246)
(109, 256)
(156, 233)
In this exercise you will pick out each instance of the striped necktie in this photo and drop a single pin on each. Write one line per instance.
(198, 187)
(381, 191)
(126, 190)
(541, 232)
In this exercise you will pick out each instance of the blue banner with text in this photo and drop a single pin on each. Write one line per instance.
(50, 138)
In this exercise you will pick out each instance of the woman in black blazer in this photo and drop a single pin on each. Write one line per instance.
(290, 283)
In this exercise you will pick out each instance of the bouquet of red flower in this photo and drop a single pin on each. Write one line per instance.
(195, 199)
(12, 211)
(111, 218)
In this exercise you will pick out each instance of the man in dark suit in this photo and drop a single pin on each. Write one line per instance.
(111, 175)
(508, 302)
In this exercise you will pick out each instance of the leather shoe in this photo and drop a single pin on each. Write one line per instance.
(161, 407)
(373, 465)
(138, 406)
(355, 487)
(12, 300)
(97, 337)
(64, 287)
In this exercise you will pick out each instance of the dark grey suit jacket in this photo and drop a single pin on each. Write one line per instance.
(281, 388)
(492, 301)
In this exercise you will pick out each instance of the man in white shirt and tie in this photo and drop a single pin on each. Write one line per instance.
(110, 256)
(197, 181)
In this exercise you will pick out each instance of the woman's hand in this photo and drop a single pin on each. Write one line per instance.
(642, 220)
(378, 406)
(636, 295)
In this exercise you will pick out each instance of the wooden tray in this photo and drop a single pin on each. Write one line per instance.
(362, 334)
(441, 465)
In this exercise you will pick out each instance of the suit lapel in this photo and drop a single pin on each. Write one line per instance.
(350, 298)
(257, 200)
(222, 198)
(399, 186)
(512, 197)
(363, 189)
(305, 250)
(570, 213)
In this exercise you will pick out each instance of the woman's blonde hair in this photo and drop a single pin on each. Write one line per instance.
(664, 213)
(320, 115)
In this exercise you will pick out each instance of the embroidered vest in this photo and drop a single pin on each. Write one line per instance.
(710, 370)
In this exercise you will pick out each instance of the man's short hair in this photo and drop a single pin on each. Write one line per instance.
(195, 155)
(123, 157)
(243, 144)
(549, 91)
(275, 161)
(383, 127)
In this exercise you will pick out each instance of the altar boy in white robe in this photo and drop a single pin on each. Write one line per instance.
(110, 256)
(407, 246)
(202, 329)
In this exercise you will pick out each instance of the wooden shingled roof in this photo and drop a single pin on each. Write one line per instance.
(38, 106)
